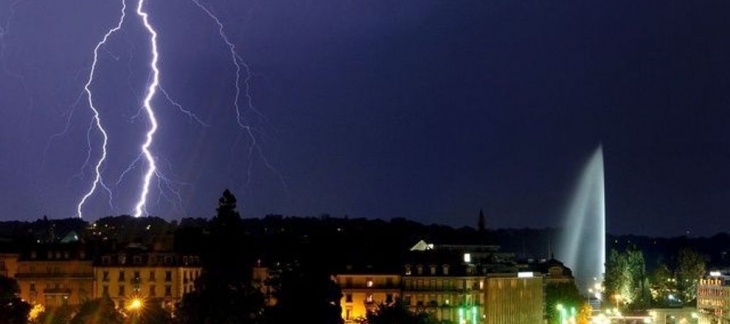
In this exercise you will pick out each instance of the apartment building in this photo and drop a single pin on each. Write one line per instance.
(152, 275)
(55, 275)
(364, 290)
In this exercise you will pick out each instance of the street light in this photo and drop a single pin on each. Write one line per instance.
(135, 304)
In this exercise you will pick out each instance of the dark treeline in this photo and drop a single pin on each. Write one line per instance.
(350, 240)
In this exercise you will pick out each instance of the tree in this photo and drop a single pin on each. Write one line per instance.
(100, 310)
(305, 292)
(625, 279)
(12, 309)
(663, 285)
(397, 313)
(690, 268)
(224, 292)
(565, 294)
(305, 288)
(150, 312)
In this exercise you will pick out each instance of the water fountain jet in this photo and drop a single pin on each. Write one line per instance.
(582, 243)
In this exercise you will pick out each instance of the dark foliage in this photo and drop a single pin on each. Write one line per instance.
(100, 310)
(397, 313)
(224, 293)
(12, 309)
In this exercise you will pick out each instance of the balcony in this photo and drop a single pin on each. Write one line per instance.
(65, 275)
(57, 291)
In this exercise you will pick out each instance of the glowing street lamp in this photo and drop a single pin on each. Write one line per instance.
(135, 304)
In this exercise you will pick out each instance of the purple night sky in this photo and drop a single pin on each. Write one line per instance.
(423, 109)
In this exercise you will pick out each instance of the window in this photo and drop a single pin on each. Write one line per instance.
(369, 298)
(121, 291)
(121, 275)
(168, 275)
(369, 283)
(168, 259)
(407, 300)
(32, 286)
(137, 276)
(446, 269)
(433, 270)
(153, 293)
(467, 257)
(347, 313)
(348, 282)
(122, 259)
(106, 260)
(137, 259)
(152, 275)
(168, 291)
(105, 275)
(348, 298)
(419, 269)
(408, 269)
(106, 290)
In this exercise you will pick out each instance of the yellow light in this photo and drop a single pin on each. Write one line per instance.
(35, 312)
(135, 304)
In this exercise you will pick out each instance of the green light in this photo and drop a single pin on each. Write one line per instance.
(461, 315)
(474, 314)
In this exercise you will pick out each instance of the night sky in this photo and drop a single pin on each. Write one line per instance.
(423, 109)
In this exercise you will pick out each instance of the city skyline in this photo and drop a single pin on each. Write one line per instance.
(424, 110)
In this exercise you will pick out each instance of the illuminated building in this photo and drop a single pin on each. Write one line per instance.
(259, 279)
(135, 272)
(8, 264)
(713, 298)
(514, 298)
(362, 292)
(55, 275)
(447, 292)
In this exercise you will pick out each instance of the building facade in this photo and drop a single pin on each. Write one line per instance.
(514, 298)
(132, 274)
(713, 298)
(361, 293)
(55, 275)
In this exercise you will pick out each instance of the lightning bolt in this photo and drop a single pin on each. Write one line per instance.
(96, 119)
(151, 91)
(240, 65)
(153, 87)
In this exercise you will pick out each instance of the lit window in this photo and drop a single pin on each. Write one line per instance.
(369, 283)
(348, 298)
(369, 298)
(467, 257)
